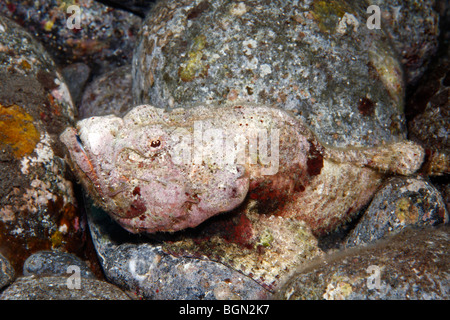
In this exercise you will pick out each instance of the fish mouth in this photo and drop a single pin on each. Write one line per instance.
(74, 143)
(80, 159)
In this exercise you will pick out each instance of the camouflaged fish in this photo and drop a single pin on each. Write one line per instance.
(157, 170)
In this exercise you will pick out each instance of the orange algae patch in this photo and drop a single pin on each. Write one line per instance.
(17, 130)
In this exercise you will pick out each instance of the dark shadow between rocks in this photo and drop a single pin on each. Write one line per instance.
(108, 226)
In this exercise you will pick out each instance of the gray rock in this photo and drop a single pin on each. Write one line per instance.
(109, 93)
(103, 40)
(6, 272)
(401, 202)
(76, 76)
(61, 288)
(314, 58)
(410, 265)
(413, 27)
(55, 263)
(139, 265)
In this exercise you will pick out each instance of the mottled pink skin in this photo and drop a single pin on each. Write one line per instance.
(133, 167)
(127, 166)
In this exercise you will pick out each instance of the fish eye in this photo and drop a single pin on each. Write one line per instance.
(155, 143)
(80, 143)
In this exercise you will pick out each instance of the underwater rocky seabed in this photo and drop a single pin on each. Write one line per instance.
(47, 223)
